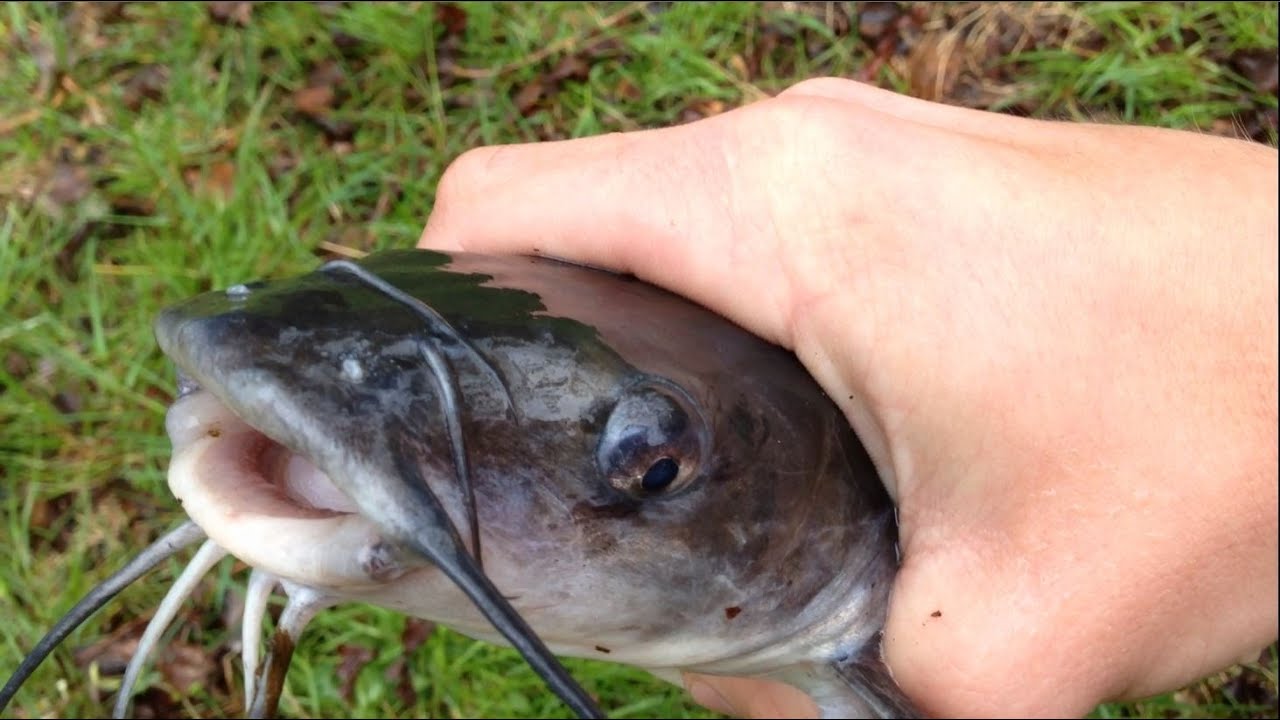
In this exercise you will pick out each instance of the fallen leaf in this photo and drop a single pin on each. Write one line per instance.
(528, 97)
(231, 13)
(16, 364)
(148, 83)
(397, 672)
(569, 66)
(626, 90)
(282, 162)
(416, 632)
(1259, 67)
(700, 109)
(354, 659)
(133, 205)
(315, 101)
(68, 403)
(452, 16)
(185, 666)
(70, 184)
(712, 107)
(112, 652)
(328, 73)
(875, 19)
(217, 183)
(45, 513)
(345, 42)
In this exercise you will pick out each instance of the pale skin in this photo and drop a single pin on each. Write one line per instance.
(1057, 340)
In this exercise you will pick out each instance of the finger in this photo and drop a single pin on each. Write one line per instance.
(529, 189)
(749, 697)
(665, 205)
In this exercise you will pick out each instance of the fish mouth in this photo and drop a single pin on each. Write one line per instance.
(269, 506)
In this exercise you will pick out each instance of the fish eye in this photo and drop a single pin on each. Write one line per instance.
(653, 443)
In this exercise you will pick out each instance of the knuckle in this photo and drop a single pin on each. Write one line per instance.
(816, 86)
(467, 174)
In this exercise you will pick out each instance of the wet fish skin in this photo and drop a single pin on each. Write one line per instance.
(772, 554)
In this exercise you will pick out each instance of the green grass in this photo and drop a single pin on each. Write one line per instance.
(148, 152)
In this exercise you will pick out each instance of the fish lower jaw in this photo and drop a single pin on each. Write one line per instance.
(267, 506)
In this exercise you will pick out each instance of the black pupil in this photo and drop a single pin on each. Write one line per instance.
(660, 474)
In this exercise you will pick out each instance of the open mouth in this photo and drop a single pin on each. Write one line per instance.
(266, 505)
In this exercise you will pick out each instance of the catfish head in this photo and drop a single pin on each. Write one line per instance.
(537, 454)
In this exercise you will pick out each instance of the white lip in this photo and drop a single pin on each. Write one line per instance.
(268, 507)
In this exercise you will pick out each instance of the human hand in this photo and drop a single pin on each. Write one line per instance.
(1057, 341)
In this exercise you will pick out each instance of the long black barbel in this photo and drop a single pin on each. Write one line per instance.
(412, 513)
(434, 535)
(444, 379)
(188, 533)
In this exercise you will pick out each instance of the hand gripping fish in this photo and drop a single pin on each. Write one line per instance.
(532, 453)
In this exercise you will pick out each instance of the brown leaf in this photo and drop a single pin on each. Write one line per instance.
(112, 653)
(712, 107)
(186, 666)
(871, 70)
(452, 16)
(281, 163)
(328, 73)
(1259, 67)
(16, 364)
(222, 178)
(45, 513)
(229, 13)
(700, 109)
(528, 97)
(133, 205)
(354, 659)
(569, 66)
(877, 18)
(218, 182)
(315, 101)
(398, 672)
(626, 90)
(148, 83)
(68, 403)
(338, 132)
(416, 632)
(1266, 121)
(607, 47)
(345, 42)
(70, 184)
(766, 43)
